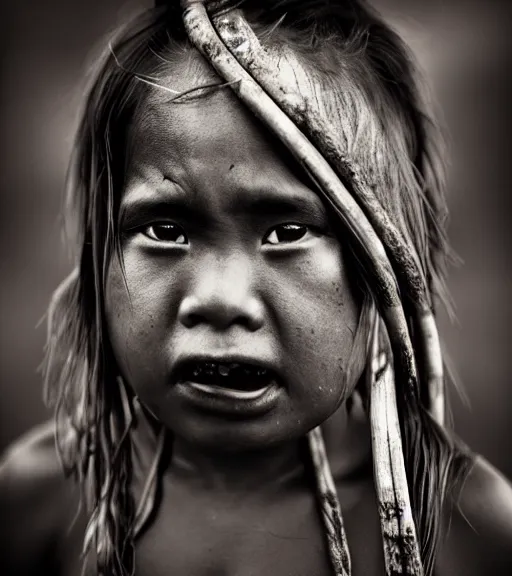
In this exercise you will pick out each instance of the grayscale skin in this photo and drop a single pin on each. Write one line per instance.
(229, 286)
(236, 499)
(202, 532)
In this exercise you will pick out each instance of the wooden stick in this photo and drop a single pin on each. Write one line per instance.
(329, 504)
(431, 348)
(278, 77)
(401, 549)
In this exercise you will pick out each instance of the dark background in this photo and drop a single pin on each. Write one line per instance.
(465, 50)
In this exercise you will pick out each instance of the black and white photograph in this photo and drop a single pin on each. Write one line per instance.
(256, 288)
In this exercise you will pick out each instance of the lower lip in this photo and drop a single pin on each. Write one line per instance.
(229, 401)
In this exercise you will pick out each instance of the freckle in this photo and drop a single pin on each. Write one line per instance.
(312, 330)
(232, 166)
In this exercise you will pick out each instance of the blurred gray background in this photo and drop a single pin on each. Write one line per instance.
(465, 50)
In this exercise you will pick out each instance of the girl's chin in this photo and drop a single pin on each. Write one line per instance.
(214, 431)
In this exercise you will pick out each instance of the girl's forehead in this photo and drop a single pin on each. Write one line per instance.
(193, 108)
(193, 116)
(211, 137)
(211, 152)
(185, 76)
(191, 96)
(184, 86)
(207, 123)
(179, 73)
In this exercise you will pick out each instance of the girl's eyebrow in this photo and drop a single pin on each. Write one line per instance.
(257, 201)
(278, 205)
(137, 211)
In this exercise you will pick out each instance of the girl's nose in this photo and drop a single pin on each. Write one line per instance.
(222, 295)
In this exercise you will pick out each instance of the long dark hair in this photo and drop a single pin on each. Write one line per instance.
(395, 143)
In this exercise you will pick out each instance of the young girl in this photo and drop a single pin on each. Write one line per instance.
(244, 363)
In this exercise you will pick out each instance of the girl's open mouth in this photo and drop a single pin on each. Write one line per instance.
(236, 380)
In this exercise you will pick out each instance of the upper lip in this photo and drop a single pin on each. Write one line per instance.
(185, 360)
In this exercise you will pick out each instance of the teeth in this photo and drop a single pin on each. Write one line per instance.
(210, 368)
(224, 370)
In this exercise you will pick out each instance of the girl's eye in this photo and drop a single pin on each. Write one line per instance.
(286, 233)
(166, 232)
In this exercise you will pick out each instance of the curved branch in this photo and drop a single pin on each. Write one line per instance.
(204, 37)
(278, 79)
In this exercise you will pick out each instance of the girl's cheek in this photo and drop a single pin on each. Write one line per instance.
(137, 295)
(319, 316)
(137, 320)
(143, 279)
(317, 286)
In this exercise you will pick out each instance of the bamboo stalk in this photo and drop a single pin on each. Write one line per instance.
(279, 80)
(204, 37)
(401, 549)
(329, 504)
(431, 347)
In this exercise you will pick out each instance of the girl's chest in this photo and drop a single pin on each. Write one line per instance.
(203, 538)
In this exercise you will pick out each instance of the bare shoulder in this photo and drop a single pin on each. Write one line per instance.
(486, 503)
(36, 502)
(479, 532)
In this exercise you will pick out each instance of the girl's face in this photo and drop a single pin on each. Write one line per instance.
(234, 321)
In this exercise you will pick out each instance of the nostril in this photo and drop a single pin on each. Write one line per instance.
(189, 312)
(191, 320)
(221, 314)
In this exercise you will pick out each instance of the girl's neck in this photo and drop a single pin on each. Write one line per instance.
(348, 444)
(264, 470)
(347, 439)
